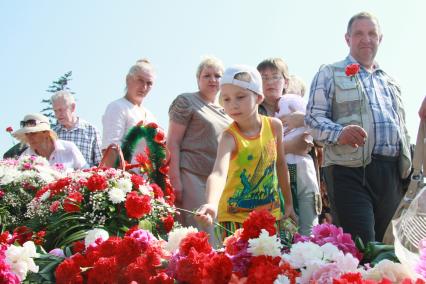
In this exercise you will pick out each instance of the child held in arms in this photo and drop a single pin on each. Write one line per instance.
(303, 181)
(250, 165)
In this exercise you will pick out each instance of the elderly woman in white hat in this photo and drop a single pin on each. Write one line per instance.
(42, 141)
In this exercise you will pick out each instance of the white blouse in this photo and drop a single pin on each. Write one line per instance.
(119, 117)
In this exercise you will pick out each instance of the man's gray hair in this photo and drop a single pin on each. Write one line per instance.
(65, 96)
(362, 15)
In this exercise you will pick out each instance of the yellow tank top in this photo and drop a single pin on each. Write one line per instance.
(252, 180)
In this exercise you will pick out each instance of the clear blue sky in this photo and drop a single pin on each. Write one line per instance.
(100, 40)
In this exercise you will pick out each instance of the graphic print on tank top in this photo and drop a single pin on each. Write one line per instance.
(259, 188)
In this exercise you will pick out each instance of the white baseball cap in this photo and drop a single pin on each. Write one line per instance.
(255, 84)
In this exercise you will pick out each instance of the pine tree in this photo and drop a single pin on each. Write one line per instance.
(59, 85)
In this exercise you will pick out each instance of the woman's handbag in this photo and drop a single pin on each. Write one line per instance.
(410, 227)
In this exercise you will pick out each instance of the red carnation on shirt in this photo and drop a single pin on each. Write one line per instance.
(97, 183)
(137, 205)
(258, 220)
(9, 129)
(352, 69)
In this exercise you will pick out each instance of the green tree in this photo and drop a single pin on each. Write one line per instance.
(59, 85)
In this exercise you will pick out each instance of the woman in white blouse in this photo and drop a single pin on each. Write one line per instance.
(42, 141)
(124, 113)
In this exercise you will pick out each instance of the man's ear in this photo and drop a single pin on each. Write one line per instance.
(73, 107)
(347, 36)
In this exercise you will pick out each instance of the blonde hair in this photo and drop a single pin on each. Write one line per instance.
(140, 65)
(296, 86)
(209, 61)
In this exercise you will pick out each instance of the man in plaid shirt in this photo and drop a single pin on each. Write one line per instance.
(72, 128)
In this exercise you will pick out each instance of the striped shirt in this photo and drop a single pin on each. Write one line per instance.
(86, 137)
(382, 102)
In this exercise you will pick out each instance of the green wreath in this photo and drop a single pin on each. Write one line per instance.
(155, 141)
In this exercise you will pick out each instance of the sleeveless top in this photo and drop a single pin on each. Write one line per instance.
(252, 181)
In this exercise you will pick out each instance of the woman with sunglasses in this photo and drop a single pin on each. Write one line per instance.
(42, 141)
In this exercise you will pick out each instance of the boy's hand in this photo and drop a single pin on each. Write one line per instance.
(290, 213)
(206, 214)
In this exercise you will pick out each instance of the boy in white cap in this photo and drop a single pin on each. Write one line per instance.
(250, 165)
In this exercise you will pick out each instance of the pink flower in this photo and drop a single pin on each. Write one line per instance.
(1, 193)
(326, 273)
(421, 266)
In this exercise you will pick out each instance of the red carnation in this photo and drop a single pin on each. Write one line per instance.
(137, 205)
(39, 237)
(105, 270)
(78, 246)
(160, 137)
(72, 202)
(258, 220)
(168, 223)
(199, 241)
(263, 269)
(190, 269)
(68, 272)
(158, 192)
(22, 234)
(218, 269)
(137, 181)
(97, 183)
(9, 129)
(164, 169)
(152, 125)
(352, 69)
(161, 278)
(1, 193)
(5, 238)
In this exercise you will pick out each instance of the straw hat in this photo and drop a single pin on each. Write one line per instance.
(34, 122)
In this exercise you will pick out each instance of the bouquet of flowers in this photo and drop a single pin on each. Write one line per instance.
(19, 182)
(111, 199)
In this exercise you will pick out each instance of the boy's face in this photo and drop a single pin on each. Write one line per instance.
(239, 103)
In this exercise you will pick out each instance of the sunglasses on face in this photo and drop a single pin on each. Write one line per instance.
(30, 123)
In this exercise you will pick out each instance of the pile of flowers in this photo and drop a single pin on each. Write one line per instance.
(111, 199)
(19, 182)
(253, 254)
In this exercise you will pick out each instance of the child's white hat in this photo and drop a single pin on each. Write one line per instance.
(255, 84)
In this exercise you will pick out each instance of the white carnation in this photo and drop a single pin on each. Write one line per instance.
(282, 279)
(8, 175)
(303, 253)
(145, 190)
(265, 245)
(125, 185)
(395, 272)
(21, 260)
(331, 252)
(116, 195)
(176, 236)
(347, 262)
(94, 234)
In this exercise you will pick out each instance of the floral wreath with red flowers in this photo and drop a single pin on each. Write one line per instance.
(153, 162)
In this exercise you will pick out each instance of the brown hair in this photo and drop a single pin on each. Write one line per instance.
(274, 63)
(359, 16)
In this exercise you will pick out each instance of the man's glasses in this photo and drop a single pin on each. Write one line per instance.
(273, 79)
(30, 123)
